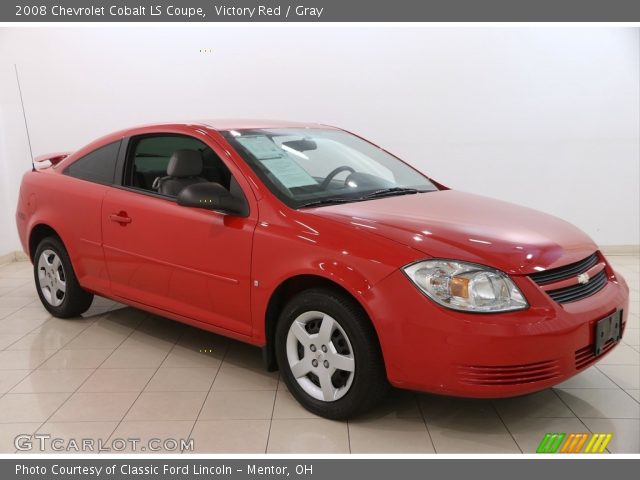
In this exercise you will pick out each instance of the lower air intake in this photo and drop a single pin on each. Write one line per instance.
(508, 374)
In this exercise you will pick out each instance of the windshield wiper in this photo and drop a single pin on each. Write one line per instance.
(326, 201)
(388, 192)
(385, 192)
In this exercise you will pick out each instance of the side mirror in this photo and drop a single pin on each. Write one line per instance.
(212, 196)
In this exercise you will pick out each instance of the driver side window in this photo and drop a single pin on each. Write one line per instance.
(166, 163)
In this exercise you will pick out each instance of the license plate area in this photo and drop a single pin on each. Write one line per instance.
(607, 329)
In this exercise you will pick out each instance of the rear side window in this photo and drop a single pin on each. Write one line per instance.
(98, 166)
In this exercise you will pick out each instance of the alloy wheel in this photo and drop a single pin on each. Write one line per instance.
(51, 277)
(320, 356)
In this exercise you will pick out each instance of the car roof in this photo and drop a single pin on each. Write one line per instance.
(244, 123)
(214, 124)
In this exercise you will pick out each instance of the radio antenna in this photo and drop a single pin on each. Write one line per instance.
(24, 115)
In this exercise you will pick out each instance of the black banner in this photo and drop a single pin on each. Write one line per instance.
(319, 11)
(316, 469)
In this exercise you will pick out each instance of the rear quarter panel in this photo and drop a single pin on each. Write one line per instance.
(71, 207)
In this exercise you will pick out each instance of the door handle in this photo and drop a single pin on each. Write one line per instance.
(121, 218)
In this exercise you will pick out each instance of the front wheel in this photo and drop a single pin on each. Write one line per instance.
(329, 354)
(58, 288)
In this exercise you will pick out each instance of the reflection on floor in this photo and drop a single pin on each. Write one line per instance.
(120, 373)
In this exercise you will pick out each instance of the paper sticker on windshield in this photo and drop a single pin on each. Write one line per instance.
(289, 172)
(261, 147)
(283, 167)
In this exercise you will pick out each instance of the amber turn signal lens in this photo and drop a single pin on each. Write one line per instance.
(459, 287)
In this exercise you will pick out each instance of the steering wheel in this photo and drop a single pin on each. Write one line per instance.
(344, 168)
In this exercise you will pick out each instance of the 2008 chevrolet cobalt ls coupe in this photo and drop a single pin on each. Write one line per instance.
(351, 269)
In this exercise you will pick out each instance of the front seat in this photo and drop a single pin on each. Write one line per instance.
(184, 169)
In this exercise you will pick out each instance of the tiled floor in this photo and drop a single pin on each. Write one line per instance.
(120, 373)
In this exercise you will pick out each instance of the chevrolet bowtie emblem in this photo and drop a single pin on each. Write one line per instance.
(583, 278)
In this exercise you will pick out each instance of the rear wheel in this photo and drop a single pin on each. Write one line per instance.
(58, 288)
(329, 354)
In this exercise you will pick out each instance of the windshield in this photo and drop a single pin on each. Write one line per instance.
(315, 166)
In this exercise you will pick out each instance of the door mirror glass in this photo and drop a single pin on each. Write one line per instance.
(212, 196)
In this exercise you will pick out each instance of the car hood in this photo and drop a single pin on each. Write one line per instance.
(463, 226)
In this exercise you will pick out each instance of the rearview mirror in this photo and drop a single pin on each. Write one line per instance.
(303, 145)
(212, 196)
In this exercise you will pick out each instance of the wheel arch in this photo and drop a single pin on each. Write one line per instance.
(285, 291)
(38, 233)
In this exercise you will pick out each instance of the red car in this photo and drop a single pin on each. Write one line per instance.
(351, 269)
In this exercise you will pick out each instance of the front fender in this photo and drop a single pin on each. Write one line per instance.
(352, 259)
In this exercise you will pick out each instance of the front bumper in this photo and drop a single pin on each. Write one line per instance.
(430, 348)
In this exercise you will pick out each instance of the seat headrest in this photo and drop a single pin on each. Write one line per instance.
(185, 163)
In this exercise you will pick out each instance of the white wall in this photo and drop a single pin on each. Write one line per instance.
(544, 117)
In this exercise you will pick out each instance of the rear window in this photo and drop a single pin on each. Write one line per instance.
(98, 166)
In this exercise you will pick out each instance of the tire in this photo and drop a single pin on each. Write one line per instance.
(301, 345)
(56, 282)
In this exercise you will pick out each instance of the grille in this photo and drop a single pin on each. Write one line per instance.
(585, 356)
(573, 292)
(561, 273)
(508, 374)
(579, 291)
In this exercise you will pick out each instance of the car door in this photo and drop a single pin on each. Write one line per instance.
(84, 182)
(189, 261)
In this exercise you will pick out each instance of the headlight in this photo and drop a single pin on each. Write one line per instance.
(466, 286)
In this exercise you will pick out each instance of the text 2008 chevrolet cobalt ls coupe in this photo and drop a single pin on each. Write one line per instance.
(351, 269)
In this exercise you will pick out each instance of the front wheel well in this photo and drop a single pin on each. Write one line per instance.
(282, 294)
(39, 233)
